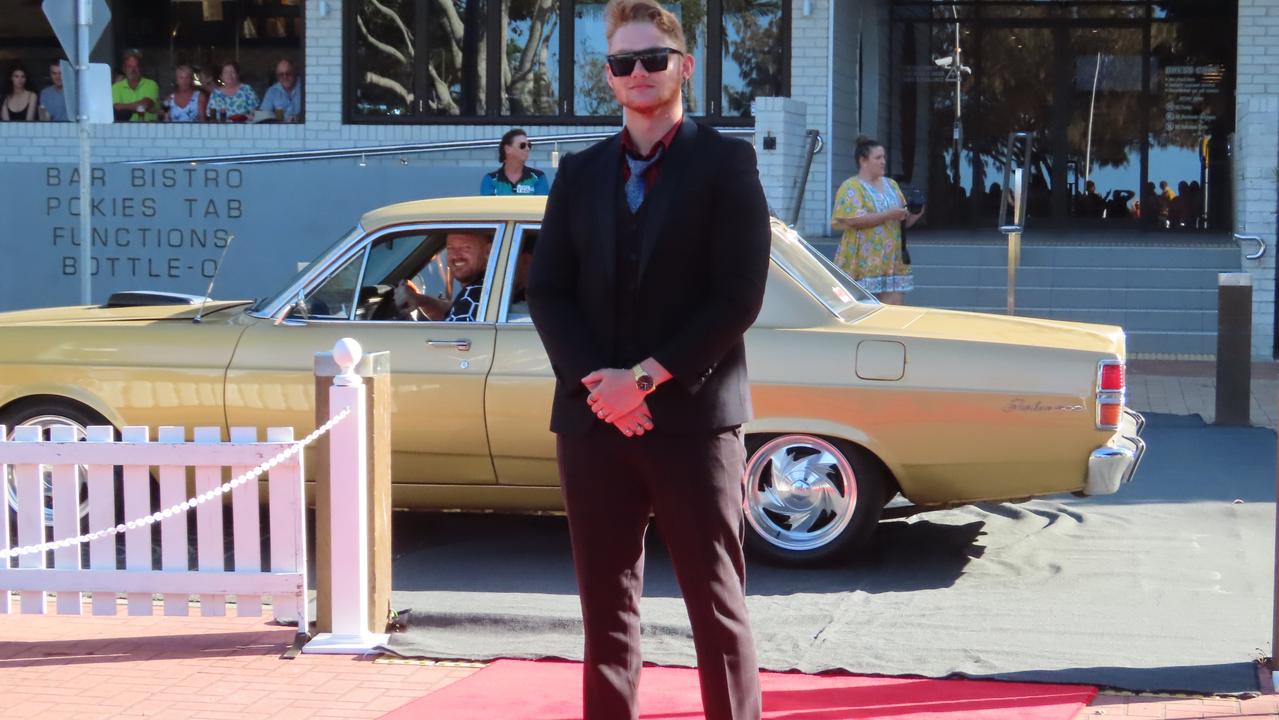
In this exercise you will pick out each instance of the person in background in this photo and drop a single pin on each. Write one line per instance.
(186, 104)
(19, 103)
(284, 98)
(515, 177)
(871, 211)
(205, 81)
(135, 98)
(52, 99)
(234, 99)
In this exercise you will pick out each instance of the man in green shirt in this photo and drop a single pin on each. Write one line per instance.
(134, 97)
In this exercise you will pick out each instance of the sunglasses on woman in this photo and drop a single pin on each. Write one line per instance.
(523, 144)
(654, 60)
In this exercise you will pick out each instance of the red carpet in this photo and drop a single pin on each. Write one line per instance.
(524, 690)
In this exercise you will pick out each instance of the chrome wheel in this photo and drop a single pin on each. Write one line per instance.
(46, 423)
(801, 493)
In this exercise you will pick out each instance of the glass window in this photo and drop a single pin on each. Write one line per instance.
(333, 299)
(455, 58)
(531, 73)
(518, 268)
(383, 63)
(256, 34)
(591, 94)
(1130, 115)
(752, 63)
(446, 71)
(445, 270)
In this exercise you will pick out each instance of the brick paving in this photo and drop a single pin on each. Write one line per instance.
(57, 667)
(1189, 388)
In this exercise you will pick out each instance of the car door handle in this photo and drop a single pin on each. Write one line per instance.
(462, 345)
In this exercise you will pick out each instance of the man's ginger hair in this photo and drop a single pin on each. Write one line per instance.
(623, 12)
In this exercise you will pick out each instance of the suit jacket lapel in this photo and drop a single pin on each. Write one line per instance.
(658, 198)
(605, 227)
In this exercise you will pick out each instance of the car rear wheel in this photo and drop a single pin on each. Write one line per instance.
(46, 415)
(810, 499)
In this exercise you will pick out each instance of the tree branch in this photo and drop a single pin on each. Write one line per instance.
(359, 21)
(408, 37)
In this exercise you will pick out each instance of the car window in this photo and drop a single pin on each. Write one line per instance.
(517, 270)
(810, 268)
(332, 300)
(443, 269)
(304, 268)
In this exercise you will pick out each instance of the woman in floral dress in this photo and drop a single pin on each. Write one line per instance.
(236, 99)
(871, 210)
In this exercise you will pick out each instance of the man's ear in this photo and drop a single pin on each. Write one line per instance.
(689, 65)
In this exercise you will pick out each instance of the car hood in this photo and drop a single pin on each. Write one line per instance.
(996, 329)
(81, 314)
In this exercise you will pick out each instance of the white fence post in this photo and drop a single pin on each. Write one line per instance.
(349, 526)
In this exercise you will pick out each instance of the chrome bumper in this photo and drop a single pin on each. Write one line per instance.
(1113, 465)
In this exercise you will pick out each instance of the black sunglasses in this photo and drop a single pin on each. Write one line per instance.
(654, 60)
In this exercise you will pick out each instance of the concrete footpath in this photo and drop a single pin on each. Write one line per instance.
(165, 667)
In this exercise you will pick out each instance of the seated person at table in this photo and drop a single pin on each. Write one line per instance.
(468, 256)
(285, 95)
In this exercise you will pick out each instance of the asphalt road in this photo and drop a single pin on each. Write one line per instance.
(1164, 586)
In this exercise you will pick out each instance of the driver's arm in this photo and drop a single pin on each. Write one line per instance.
(409, 298)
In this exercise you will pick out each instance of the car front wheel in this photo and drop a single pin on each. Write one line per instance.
(810, 499)
(46, 415)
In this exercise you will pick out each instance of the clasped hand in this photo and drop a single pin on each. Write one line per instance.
(615, 399)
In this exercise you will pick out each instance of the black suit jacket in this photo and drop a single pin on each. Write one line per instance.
(704, 256)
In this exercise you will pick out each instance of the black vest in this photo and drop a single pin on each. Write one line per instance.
(627, 300)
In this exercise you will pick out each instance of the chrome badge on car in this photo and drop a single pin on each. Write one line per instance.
(1023, 405)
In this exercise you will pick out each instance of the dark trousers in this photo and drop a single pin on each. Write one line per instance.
(692, 484)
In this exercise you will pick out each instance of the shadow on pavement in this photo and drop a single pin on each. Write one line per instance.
(454, 552)
(1221, 679)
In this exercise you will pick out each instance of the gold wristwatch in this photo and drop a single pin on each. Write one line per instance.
(643, 380)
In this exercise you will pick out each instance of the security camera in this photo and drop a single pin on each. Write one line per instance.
(944, 62)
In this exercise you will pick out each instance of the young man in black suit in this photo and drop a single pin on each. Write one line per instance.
(649, 269)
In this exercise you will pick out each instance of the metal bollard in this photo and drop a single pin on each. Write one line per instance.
(1234, 348)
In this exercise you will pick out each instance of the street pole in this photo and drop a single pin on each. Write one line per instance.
(84, 18)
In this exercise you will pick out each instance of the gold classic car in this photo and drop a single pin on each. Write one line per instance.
(855, 401)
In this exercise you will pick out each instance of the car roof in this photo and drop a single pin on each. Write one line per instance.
(508, 207)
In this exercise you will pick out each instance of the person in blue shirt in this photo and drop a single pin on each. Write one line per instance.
(285, 95)
(515, 177)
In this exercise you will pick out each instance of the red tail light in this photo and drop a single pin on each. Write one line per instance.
(1110, 394)
(1112, 377)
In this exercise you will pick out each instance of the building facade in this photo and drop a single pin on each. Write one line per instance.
(1155, 124)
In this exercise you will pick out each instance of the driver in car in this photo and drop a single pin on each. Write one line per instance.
(468, 256)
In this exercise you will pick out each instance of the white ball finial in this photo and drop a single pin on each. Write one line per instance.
(347, 354)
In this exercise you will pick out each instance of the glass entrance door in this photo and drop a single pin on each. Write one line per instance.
(1129, 105)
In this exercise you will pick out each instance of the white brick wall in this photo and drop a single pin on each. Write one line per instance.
(1256, 155)
(811, 61)
(784, 119)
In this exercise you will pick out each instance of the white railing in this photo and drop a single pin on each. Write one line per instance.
(87, 471)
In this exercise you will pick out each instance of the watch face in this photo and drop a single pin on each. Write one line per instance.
(644, 383)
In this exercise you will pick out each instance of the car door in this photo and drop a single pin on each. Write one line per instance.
(438, 369)
(521, 384)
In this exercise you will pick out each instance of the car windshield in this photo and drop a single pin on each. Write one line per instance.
(821, 277)
(304, 269)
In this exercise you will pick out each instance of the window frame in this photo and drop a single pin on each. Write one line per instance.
(359, 250)
(566, 115)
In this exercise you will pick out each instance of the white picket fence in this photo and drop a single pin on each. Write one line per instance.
(88, 469)
(171, 460)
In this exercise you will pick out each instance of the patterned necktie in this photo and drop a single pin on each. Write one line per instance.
(635, 183)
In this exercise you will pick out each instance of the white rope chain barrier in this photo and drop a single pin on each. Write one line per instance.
(185, 505)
